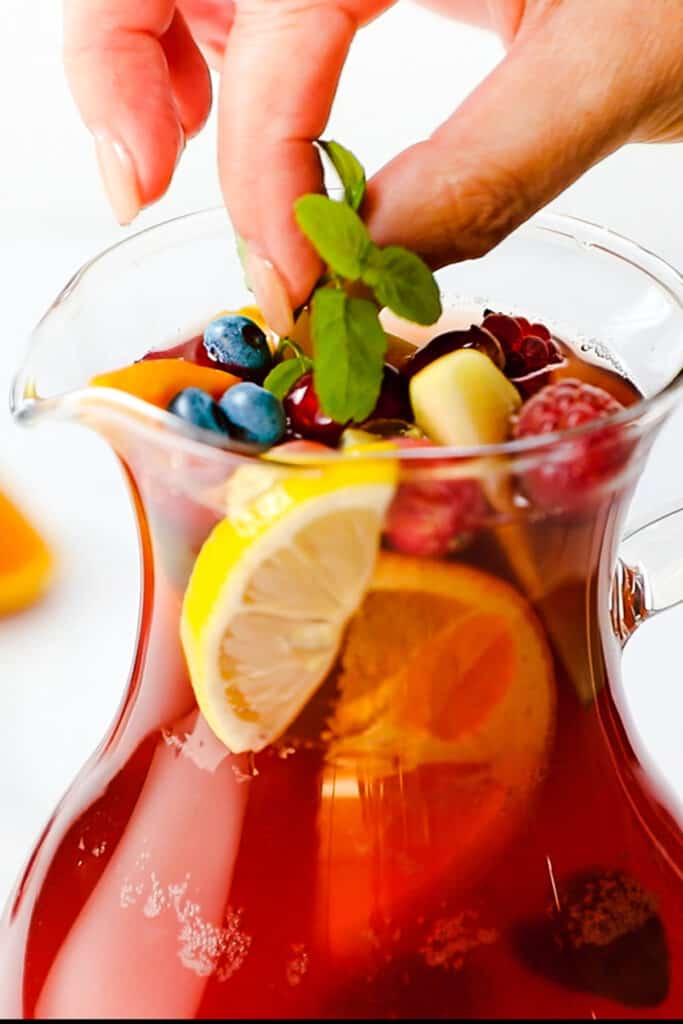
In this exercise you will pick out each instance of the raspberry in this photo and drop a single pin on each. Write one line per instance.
(565, 478)
(429, 517)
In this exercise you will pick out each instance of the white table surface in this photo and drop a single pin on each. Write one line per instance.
(63, 664)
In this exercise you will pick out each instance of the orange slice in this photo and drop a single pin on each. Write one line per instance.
(159, 380)
(25, 561)
(443, 723)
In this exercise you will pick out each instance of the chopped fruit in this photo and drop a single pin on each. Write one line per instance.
(440, 734)
(254, 414)
(463, 399)
(582, 463)
(160, 380)
(271, 593)
(240, 346)
(25, 561)
(431, 517)
(473, 338)
(198, 408)
(305, 415)
(528, 348)
(393, 402)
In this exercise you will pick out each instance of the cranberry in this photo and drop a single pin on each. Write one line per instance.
(393, 402)
(504, 328)
(529, 348)
(534, 352)
(475, 337)
(306, 418)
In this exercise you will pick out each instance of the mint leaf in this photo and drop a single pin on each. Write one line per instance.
(336, 231)
(404, 283)
(349, 354)
(282, 377)
(349, 171)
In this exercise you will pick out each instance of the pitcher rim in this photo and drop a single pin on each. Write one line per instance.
(27, 407)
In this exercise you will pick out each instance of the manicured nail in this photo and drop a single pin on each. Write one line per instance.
(119, 178)
(269, 291)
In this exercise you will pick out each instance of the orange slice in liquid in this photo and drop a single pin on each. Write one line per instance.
(159, 380)
(444, 718)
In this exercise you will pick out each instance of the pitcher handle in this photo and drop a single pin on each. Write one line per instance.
(649, 575)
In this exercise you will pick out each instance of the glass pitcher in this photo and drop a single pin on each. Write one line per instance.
(460, 822)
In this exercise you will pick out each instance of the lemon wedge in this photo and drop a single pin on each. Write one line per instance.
(272, 590)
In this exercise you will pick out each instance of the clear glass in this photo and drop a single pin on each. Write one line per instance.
(510, 855)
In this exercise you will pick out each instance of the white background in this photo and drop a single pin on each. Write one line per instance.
(63, 664)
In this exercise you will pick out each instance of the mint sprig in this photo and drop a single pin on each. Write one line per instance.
(349, 171)
(348, 339)
(286, 373)
(349, 345)
(340, 237)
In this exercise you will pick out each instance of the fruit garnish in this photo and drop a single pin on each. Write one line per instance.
(581, 464)
(159, 380)
(238, 345)
(348, 341)
(271, 593)
(528, 347)
(306, 417)
(254, 414)
(198, 408)
(451, 341)
(25, 560)
(431, 517)
(440, 732)
(463, 399)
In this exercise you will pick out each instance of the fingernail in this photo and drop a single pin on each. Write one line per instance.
(269, 291)
(119, 178)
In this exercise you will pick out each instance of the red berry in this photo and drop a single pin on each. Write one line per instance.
(306, 418)
(566, 476)
(534, 352)
(393, 402)
(528, 347)
(504, 328)
(428, 517)
(541, 331)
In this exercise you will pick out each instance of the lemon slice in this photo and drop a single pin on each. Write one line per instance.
(272, 590)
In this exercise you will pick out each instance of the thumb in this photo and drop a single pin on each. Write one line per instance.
(546, 114)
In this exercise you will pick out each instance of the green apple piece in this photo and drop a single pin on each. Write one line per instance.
(463, 399)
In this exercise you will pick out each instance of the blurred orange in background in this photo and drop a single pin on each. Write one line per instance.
(25, 559)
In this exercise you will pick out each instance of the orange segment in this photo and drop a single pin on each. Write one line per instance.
(443, 722)
(25, 561)
(159, 380)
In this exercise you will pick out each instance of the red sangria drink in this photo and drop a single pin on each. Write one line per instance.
(373, 760)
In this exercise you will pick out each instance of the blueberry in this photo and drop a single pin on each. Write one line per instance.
(238, 345)
(198, 407)
(254, 414)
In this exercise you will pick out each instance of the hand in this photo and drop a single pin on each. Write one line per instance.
(579, 80)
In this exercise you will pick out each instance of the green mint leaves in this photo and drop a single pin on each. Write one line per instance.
(404, 283)
(348, 340)
(286, 373)
(349, 354)
(349, 171)
(338, 234)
